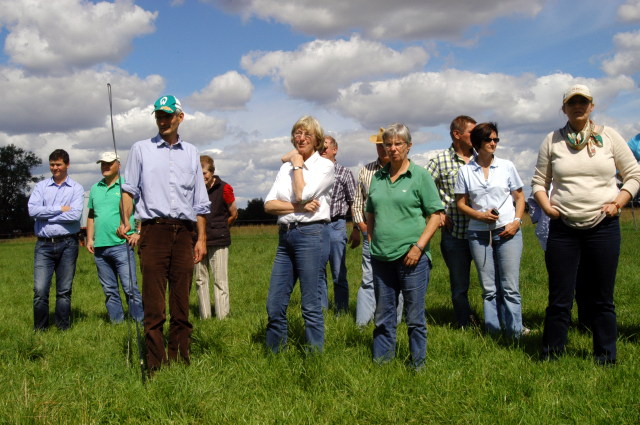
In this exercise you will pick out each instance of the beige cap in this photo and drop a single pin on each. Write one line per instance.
(108, 157)
(577, 90)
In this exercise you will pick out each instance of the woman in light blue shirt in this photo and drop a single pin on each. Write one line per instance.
(485, 191)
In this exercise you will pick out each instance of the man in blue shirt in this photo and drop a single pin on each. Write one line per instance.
(164, 175)
(56, 204)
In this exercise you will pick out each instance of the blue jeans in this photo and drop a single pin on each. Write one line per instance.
(48, 258)
(584, 261)
(296, 258)
(457, 256)
(338, 264)
(498, 265)
(366, 298)
(111, 262)
(391, 278)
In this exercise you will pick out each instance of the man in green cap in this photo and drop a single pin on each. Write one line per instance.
(163, 174)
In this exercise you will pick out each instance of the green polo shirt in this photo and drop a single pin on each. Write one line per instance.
(401, 209)
(105, 202)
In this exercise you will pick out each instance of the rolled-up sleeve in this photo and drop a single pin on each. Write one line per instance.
(318, 181)
(201, 203)
(132, 173)
(358, 201)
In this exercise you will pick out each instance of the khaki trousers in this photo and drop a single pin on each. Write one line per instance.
(217, 258)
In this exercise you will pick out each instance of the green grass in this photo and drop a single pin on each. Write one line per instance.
(82, 376)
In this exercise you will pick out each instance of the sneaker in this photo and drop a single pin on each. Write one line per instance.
(525, 331)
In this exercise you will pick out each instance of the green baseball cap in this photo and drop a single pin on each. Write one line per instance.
(167, 104)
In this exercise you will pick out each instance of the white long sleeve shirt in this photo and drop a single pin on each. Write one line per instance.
(318, 174)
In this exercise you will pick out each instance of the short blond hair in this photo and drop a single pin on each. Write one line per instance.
(310, 125)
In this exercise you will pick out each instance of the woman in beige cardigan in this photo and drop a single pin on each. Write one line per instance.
(584, 206)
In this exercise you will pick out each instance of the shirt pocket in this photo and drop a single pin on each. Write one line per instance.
(187, 180)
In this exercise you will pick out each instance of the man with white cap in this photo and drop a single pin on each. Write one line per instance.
(164, 174)
(366, 301)
(111, 252)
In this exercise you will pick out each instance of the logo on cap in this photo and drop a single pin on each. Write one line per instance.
(163, 100)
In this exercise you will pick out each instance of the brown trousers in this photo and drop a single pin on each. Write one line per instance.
(166, 254)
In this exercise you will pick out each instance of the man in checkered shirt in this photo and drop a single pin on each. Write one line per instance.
(341, 200)
(454, 244)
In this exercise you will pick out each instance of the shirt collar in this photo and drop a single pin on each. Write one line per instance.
(474, 164)
(103, 182)
(454, 154)
(312, 159)
(66, 182)
(409, 172)
(160, 142)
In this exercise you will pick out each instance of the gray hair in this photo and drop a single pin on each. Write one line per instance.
(397, 130)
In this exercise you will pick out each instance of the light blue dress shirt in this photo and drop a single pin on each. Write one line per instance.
(45, 206)
(166, 181)
(494, 192)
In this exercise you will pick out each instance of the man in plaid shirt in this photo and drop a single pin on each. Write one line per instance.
(454, 244)
(341, 200)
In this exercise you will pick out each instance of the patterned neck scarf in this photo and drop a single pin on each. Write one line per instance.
(587, 137)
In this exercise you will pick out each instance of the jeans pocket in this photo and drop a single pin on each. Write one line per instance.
(339, 225)
(71, 242)
(312, 229)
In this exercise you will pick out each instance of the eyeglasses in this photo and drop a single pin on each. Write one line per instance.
(303, 135)
(489, 139)
(397, 145)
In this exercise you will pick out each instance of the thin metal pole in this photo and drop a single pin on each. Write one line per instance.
(124, 220)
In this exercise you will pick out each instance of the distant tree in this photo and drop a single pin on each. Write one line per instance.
(15, 175)
(254, 213)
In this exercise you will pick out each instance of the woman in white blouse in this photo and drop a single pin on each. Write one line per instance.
(581, 158)
(300, 197)
(485, 191)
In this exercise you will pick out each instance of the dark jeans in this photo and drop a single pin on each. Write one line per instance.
(596, 251)
(166, 254)
(59, 257)
(392, 278)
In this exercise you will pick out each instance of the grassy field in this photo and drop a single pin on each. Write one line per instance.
(81, 376)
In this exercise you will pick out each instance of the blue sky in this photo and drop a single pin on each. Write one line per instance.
(246, 70)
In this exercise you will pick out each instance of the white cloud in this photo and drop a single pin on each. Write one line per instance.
(34, 104)
(317, 69)
(381, 19)
(526, 103)
(630, 11)
(85, 146)
(230, 91)
(627, 57)
(56, 36)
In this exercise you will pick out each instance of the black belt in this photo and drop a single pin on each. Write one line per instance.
(58, 238)
(173, 221)
(290, 226)
(338, 217)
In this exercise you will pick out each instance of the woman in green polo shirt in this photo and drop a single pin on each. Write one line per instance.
(403, 213)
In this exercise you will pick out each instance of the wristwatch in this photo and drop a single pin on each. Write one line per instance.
(618, 207)
(297, 168)
(519, 220)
